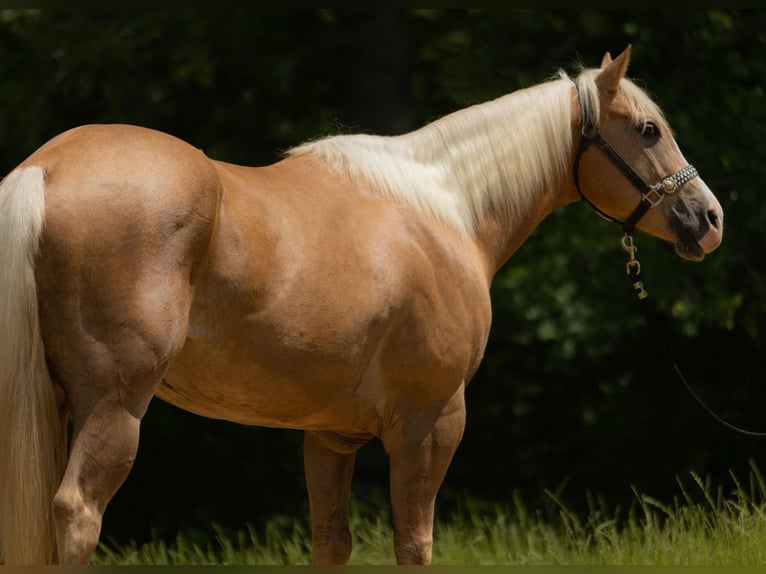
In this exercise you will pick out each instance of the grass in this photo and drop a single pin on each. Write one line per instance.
(702, 526)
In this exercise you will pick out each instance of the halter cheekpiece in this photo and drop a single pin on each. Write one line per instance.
(651, 195)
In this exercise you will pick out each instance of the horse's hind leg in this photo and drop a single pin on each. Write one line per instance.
(109, 371)
(107, 410)
(102, 454)
(329, 464)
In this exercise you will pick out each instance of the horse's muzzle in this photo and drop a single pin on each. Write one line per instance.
(714, 235)
(698, 225)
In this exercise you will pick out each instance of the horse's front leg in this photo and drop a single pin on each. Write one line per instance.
(328, 459)
(419, 459)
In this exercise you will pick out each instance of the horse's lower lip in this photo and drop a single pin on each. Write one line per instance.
(693, 249)
(688, 248)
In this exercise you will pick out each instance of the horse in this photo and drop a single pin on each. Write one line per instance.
(342, 290)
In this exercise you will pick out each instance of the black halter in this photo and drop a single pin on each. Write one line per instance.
(651, 195)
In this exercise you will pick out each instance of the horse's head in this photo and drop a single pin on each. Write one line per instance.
(629, 167)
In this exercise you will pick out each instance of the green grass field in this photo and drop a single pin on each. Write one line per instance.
(704, 525)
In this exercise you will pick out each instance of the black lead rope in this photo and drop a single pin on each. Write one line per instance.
(634, 272)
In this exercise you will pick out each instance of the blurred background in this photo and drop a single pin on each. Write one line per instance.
(570, 397)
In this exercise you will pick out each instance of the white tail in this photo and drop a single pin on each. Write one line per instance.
(32, 437)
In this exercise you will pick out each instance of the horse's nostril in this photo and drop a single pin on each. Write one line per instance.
(713, 218)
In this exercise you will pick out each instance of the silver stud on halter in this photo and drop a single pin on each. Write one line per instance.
(670, 184)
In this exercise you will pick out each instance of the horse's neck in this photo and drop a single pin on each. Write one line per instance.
(493, 171)
(504, 163)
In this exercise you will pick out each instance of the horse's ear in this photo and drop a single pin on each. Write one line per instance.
(612, 71)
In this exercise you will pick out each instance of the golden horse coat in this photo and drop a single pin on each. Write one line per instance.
(343, 291)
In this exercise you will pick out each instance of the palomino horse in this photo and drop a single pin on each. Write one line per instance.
(343, 290)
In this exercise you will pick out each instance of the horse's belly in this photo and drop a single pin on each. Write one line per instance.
(272, 387)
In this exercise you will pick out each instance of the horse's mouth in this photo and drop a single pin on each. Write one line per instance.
(687, 247)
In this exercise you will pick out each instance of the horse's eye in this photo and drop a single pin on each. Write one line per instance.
(648, 129)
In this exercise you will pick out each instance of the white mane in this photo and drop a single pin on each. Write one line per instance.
(502, 154)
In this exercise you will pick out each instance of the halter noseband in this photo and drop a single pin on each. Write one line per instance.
(651, 195)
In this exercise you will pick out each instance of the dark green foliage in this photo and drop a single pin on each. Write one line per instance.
(570, 396)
